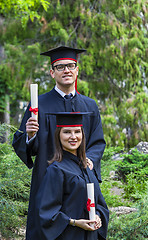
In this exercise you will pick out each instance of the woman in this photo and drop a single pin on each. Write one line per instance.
(61, 204)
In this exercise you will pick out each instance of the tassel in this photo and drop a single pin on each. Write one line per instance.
(76, 86)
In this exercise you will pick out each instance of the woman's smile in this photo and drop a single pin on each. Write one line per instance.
(71, 138)
(73, 142)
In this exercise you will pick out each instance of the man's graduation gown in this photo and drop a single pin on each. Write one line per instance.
(43, 145)
(63, 195)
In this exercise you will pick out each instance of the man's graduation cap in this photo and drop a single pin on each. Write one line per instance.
(69, 119)
(63, 53)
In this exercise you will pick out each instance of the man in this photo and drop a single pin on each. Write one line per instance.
(36, 138)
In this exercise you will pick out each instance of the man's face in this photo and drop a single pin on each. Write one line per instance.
(65, 78)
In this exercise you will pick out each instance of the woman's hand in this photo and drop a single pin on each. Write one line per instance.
(98, 222)
(85, 224)
(88, 225)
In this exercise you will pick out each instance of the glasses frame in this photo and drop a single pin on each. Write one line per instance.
(65, 65)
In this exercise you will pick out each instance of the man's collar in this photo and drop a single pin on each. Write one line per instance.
(62, 93)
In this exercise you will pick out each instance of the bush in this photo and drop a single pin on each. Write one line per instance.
(132, 226)
(133, 171)
(135, 162)
(108, 165)
(135, 187)
(12, 216)
(14, 191)
(109, 152)
(6, 130)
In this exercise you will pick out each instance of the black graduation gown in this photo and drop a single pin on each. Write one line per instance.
(43, 145)
(63, 195)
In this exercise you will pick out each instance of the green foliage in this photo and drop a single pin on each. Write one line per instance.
(132, 226)
(115, 66)
(83, 88)
(25, 10)
(125, 123)
(133, 170)
(113, 133)
(108, 165)
(135, 163)
(109, 152)
(112, 199)
(3, 129)
(17, 186)
(14, 191)
(18, 71)
(134, 118)
(135, 186)
(131, 176)
(11, 217)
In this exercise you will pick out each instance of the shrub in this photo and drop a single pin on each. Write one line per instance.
(132, 226)
(12, 216)
(133, 171)
(135, 162)
(109, 152)
(14, 191)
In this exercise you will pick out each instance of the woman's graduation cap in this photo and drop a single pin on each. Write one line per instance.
(69, 119)
(63, 53)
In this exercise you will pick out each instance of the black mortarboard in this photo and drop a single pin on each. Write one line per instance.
(69, 119)
(63, 52)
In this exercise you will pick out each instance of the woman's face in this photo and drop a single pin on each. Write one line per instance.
(71, 138)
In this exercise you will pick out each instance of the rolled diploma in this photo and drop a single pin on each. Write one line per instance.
(34, 98)
(90, 194)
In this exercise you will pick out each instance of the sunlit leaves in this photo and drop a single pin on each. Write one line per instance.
(24, 10)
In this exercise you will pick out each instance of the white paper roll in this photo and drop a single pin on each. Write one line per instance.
(34, 98)
(90, 194)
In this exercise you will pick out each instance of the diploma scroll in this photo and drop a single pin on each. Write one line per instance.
(34, 100)
(91, 201)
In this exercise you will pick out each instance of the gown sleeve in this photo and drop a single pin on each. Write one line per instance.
(96, 143)
(22, 149)
(51, 221)
(103, 212)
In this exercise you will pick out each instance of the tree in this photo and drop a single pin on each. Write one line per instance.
(115, 36)
(16, 69)
(23, 10)
(115, 66)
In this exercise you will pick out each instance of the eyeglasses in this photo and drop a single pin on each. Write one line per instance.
(61, 67)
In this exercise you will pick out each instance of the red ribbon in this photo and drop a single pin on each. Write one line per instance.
(34, 110)
(89, 204)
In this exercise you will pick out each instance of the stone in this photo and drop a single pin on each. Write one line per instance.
(142, 147)
(117, 191)
(122, 210)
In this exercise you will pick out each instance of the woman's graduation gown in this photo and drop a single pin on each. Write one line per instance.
(43, 145)
(63, 195)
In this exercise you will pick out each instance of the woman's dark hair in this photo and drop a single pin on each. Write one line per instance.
(58, 154)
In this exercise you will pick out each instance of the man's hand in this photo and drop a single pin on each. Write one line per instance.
(89, 163)
(32, 127)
